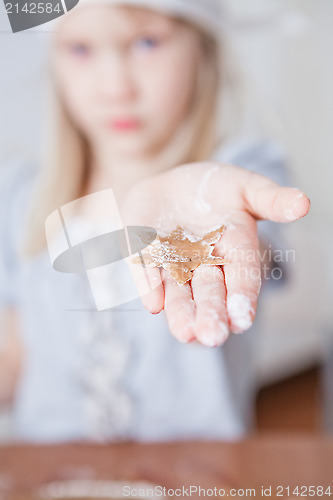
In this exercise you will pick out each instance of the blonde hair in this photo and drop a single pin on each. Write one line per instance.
(66, 164)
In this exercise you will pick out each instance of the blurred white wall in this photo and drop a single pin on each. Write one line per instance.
(21, 84)
(286, 50)
(287, 47)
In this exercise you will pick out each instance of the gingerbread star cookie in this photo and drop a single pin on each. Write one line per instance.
(181, 253)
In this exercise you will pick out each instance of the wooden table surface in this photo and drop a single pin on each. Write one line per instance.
(259, 461)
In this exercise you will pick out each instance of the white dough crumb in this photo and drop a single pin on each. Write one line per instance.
(239, 310)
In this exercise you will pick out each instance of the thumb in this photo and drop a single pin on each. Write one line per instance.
(267, 200)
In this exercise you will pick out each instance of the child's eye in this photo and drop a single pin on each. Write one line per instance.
(147, 42)
(80, 49)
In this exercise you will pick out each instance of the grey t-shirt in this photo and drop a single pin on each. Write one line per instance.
(117, 374)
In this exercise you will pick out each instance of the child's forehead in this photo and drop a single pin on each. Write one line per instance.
(117, 20)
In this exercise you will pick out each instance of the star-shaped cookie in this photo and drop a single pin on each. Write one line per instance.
(181, 253)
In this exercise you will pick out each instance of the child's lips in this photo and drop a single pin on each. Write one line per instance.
(124, 124)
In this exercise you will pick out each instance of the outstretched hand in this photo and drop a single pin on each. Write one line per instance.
(200, 197)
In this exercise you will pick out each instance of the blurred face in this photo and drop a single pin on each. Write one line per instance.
(126, 76)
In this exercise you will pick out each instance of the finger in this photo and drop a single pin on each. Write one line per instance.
(211, 321)
(267, 200)
(179, 309)
(242, 275)
(149, 286)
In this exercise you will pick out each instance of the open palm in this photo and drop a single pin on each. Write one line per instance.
(200, 197)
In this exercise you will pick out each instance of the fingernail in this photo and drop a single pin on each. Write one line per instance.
(240, 311)
(291, 213)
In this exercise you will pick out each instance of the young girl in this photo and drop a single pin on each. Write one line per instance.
(136, 89)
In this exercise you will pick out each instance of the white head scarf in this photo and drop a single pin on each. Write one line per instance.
(205, 13)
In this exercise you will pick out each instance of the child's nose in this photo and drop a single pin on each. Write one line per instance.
(115, 79)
